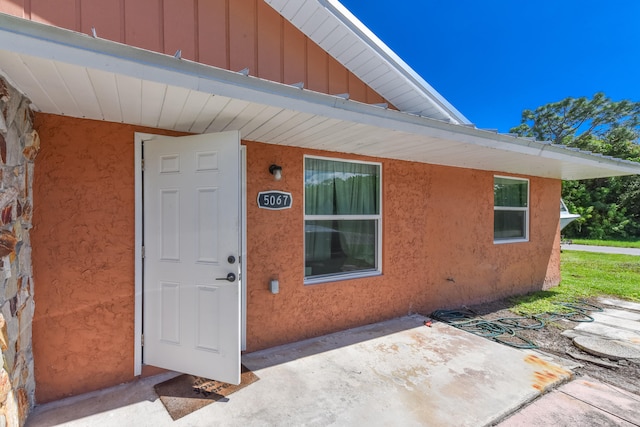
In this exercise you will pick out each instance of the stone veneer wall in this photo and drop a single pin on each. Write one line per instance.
(19, 145)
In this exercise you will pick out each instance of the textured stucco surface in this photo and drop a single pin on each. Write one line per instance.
(83, 241)
(437, 234)
(83, 256)
(438, 249)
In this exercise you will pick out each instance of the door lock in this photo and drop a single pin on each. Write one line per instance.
(230, 277)
(231, 259)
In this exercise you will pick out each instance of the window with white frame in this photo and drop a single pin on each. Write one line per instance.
(510, 209)
(342, 219)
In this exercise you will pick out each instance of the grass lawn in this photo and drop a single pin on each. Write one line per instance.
(586, 275)
(615, 243)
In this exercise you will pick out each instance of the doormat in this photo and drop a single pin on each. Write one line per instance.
(185, 394)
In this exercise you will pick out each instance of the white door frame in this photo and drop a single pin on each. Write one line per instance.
(137, 352)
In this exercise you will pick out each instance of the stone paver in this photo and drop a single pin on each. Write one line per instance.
(606, 331)
(611, 349)
(622, 314)
(616, 321)
(614, 334)
(627, 305)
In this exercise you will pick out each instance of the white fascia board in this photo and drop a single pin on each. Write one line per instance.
(421, 85)
(66, 46)
(57, 44)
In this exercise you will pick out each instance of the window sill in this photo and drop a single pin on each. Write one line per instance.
(341, 277)
(500, 242)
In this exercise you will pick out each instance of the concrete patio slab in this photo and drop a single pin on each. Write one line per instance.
(398, 372)
(569, 364)
(582, 402)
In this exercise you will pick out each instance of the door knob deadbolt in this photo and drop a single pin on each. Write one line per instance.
(231, 259)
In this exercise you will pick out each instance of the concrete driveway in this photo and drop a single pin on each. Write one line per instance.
(398, 372)
(600, 249)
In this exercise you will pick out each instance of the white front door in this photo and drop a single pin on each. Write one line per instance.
(191, 313)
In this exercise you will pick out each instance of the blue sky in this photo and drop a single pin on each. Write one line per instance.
(492, 59)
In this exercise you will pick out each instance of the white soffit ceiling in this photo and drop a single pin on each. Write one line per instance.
(330, 25)
(72, 74)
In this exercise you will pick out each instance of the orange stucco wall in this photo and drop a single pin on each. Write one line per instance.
(437, 225)
(83, 256)
(230, 34)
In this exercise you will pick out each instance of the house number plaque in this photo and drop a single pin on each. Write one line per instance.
(274, 200)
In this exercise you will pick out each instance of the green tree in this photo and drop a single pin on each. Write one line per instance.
(609, 207)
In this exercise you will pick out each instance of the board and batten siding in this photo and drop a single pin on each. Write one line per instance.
(229, 34)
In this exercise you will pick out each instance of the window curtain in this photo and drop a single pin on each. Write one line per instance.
(342, 189)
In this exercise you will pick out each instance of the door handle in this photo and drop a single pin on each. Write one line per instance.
(230, 277)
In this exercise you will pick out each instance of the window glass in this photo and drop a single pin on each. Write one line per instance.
(510, 192)
(342, 217)
(509, 224)
(511, 209)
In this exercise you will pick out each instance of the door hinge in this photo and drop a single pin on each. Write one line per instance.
(142, 165)
(142, 340)
(143, 252)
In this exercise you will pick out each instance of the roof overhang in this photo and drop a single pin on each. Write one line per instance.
(68, 73)
(332, 27)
